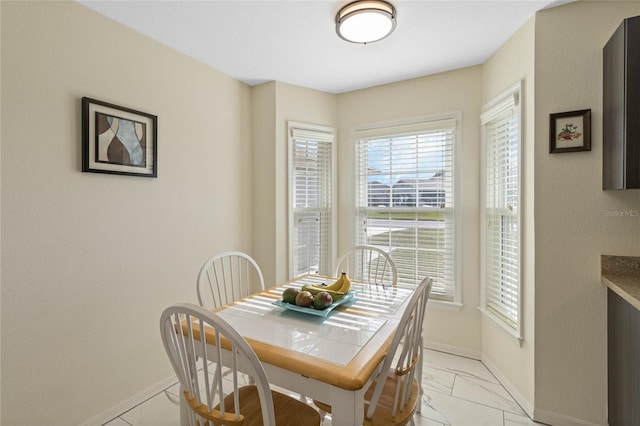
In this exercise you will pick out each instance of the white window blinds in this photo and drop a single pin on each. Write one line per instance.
(502, 206)
(406, 200)
(311, 200)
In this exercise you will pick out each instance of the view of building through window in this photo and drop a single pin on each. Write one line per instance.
(405, 200)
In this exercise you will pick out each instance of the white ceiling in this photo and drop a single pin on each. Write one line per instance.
(295, 41)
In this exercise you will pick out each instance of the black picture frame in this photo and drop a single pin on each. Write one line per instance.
(570, 131)
(118, 140)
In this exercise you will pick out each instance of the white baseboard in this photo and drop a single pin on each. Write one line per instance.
(556, 419)
(538, 415)
(115, 411)
(524, 403)
(454, 350)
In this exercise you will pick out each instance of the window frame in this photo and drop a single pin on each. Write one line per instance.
(291, 210)
(456, 215)
(491, 111)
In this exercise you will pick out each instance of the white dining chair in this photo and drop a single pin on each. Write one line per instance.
(198, 360)
(226, 277)
(395, 396)
(368, 263)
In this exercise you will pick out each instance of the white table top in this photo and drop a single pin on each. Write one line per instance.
(335, 339)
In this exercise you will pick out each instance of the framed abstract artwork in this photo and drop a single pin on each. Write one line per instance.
(118, 140)
(570, 131)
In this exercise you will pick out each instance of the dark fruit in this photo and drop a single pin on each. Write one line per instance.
(289, 295)
(322, 300)
(304, 298)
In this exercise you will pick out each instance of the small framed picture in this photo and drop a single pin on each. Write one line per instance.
(118, 140)
(570, 131)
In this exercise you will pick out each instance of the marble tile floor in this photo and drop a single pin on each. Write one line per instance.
(458, 391)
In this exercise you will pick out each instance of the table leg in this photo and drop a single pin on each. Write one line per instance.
(347, 407)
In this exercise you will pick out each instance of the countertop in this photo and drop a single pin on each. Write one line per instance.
(622, 275)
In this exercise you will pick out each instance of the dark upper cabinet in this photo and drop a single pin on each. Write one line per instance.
(621, 107)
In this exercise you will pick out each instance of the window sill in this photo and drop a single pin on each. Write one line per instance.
(497, 321)
(444, 306)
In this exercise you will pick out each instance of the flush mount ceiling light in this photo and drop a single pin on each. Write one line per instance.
(366, 21)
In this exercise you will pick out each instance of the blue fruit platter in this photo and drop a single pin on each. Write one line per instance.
(311, 310)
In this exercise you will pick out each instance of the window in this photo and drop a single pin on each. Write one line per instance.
(501, 210)
(406, 199)
(311, 199)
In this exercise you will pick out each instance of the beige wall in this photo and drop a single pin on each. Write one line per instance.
(572, 223)
(449, 92)
(513, 62)
(264, 137)
(281, 103)
(89, 261)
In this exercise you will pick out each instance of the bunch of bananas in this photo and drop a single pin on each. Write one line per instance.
(337, 290)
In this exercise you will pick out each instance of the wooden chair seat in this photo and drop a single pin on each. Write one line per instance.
(382, 416)
(289, 411)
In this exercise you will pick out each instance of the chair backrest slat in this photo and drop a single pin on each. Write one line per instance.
(226, 277)
(368, 263)
(408, 336)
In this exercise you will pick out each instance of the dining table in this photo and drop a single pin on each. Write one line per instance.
(331, 355)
